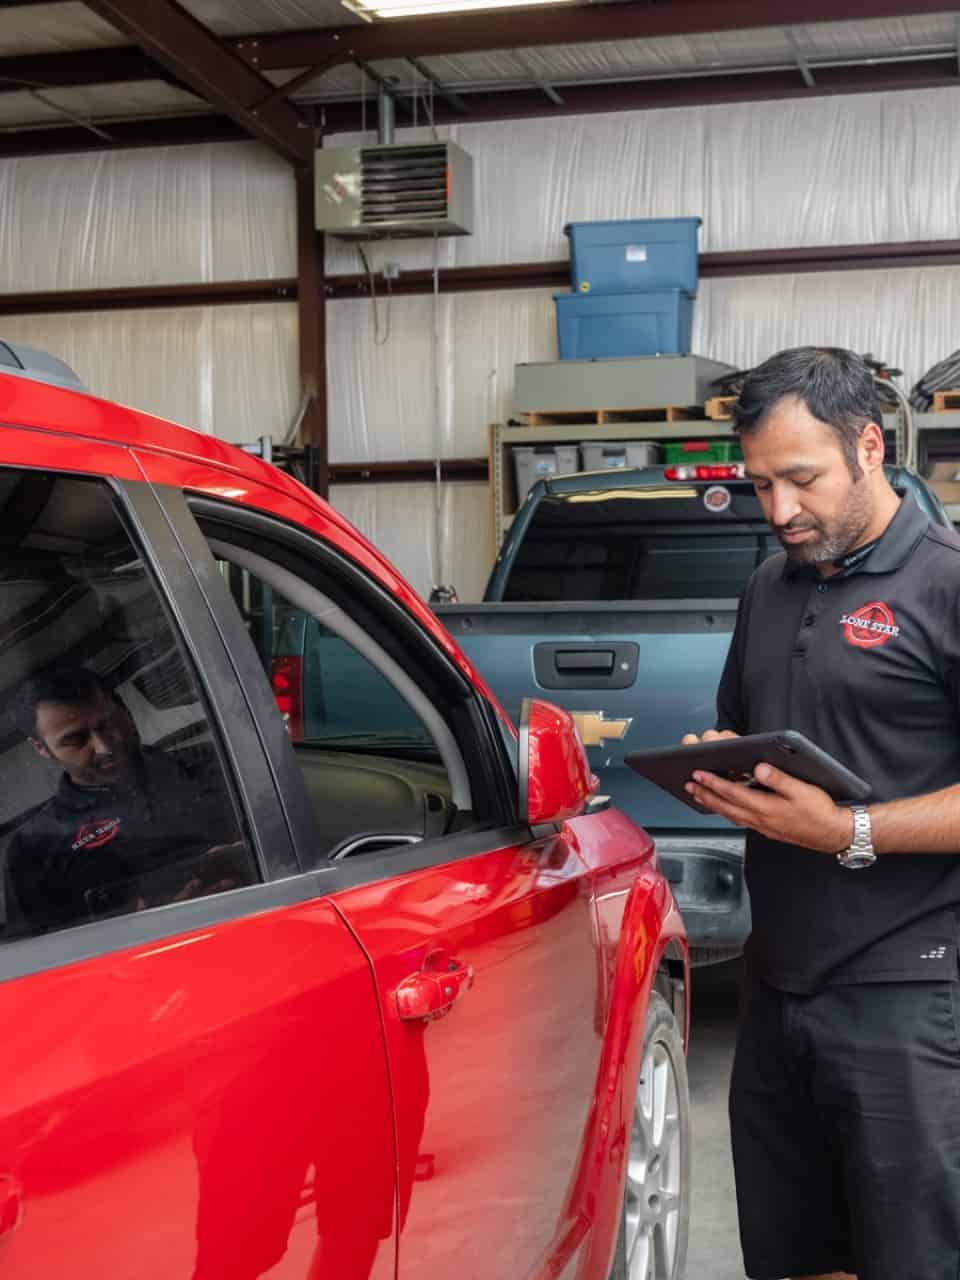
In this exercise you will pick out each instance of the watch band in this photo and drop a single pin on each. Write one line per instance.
(860, 852)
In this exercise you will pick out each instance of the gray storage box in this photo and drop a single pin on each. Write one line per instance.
(601, 456)
(632, 382)
(536, 462)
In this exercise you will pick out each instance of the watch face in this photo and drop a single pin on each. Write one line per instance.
(856, 861)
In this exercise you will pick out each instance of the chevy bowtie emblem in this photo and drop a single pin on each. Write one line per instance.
(594, 729)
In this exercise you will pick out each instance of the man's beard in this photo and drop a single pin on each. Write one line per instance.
(837, 538)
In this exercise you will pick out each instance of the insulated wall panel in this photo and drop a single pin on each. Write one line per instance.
(158, 216)
(229, 371)
(382, 404)
(852, 169)
(908, 317)
(401, 520)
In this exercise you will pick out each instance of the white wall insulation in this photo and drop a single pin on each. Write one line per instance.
(227, 370)
(858, 169)
(163, 215)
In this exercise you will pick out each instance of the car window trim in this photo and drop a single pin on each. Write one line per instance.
(212, 668)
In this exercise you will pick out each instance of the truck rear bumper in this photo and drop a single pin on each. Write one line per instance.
(706, 875)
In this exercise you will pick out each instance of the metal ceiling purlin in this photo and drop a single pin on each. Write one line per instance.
(510, 104)
(798, 57)
(327, 47)
(537, 79)
(453, 99)
(159, 131)
(197, 57)
(323, 48)
(681, 91)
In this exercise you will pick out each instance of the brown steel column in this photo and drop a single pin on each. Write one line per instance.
(312, 317)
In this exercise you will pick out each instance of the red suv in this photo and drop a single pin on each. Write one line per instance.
(400, 1000)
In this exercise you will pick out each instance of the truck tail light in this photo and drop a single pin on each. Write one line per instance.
(707, 471)
(286, 681)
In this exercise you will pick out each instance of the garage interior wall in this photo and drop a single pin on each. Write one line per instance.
(874, 168)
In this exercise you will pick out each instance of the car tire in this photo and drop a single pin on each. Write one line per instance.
(655, 1219)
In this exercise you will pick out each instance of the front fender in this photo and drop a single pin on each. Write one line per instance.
(650, 934)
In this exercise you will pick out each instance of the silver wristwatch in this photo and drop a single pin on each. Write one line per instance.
(860, 852)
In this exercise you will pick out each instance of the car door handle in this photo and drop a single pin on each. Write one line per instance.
(432, 993)
(11, 1203)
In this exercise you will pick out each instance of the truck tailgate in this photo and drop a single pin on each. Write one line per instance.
(656, 666)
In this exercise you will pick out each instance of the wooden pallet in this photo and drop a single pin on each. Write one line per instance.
(946, 401)
(602, 417)
(719, 408)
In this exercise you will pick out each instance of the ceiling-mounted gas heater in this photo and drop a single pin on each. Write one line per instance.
(394, 189)
(400, 189)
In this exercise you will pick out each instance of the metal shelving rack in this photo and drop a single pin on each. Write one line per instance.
(929, 426)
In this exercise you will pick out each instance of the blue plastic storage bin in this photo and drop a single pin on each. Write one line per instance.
(644, 253)
(598, 325)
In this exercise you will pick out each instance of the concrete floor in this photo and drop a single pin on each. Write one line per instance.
(714, 1243)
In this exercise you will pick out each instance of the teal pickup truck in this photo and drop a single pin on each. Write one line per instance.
(615, 595)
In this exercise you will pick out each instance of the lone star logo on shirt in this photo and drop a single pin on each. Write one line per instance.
(871, 625)
(91, 835)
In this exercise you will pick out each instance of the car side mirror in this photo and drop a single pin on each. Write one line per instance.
(556, 781)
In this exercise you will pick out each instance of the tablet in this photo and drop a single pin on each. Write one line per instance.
(736, 759)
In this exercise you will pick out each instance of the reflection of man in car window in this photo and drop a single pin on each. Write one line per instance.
(128, 827)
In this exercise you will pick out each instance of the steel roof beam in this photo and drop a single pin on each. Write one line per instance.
(321, 48)
(680, 91)
(71, 70)
(161, 131)
(326, 47)
(191, 52)
(516, 103)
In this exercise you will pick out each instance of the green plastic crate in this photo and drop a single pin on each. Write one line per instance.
(679, 451)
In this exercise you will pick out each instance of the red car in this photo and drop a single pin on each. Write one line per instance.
(391, 1002)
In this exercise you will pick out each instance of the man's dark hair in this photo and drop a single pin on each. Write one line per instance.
(72, 686)
(836, 386)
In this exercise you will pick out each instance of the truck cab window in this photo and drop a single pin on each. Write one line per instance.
(623, 546)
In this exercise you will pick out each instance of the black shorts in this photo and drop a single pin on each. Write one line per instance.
(845, 1117)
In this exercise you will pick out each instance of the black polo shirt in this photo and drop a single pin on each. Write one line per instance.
(867, 665)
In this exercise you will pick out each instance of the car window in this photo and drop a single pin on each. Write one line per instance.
(377, 775)
(113, 797)
(330, 695)
(611, 545)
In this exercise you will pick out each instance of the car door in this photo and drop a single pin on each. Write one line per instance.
(480, 932)
(193, 1078)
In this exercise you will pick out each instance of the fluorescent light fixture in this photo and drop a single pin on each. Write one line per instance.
(370, 9)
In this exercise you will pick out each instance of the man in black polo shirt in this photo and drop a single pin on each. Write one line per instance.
(845, 1097)
(128, 828)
